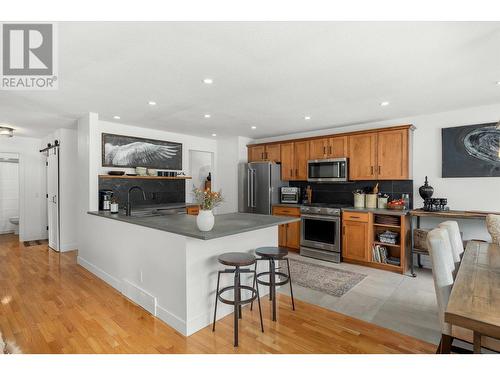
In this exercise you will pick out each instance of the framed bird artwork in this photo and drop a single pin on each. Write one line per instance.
(130, 152)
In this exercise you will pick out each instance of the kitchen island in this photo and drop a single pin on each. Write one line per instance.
(166, 265)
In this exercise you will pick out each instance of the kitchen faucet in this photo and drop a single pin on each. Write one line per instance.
(128, 207)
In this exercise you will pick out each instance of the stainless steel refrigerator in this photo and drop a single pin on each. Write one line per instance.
(259, 186)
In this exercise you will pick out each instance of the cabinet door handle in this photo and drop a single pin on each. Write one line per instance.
(329, 149)
(262, 155)
(371, 170)
(296, 172)
(379, 169)
(324, 150)
(267, 155)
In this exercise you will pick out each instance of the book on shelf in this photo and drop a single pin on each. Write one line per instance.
(379, 254)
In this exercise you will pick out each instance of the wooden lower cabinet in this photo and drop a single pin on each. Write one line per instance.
(288, 234)
(360, 233)
(355, 240)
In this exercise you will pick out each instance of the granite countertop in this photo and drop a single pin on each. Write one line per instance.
(382, 211)
(185, 225)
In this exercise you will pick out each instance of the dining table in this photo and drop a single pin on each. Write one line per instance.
(474, 302)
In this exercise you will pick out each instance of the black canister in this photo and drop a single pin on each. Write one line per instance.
(426, 190)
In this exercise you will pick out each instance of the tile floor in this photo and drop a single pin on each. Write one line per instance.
(398, 302)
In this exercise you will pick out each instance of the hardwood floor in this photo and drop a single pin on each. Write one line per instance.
(49, 304)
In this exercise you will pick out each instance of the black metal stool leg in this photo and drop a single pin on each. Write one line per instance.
(270, 266)
(236, 303)
(258, 300)
(254, 281)
(273, 287)
(290, 281)
(216, 299)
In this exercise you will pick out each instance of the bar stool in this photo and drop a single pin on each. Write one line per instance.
(272, 254)
(237, 260)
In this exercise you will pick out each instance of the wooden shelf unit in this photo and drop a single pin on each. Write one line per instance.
(146, 177)
(365, 256)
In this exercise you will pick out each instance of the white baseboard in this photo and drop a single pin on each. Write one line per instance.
(139, 296)
(6, 231)
(113, 281)
(172, 320)
(68, 247)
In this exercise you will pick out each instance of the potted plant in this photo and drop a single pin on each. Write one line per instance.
(207, 200)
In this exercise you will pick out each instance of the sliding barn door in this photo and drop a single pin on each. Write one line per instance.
(53, 197)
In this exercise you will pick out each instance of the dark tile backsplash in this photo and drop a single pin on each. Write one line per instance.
(157, 191)
(341, 192)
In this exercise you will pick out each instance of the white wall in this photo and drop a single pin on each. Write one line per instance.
(90, 129)
(9, 192)
(68, 185)
(462, 193)
(231, 151)
(32, 186)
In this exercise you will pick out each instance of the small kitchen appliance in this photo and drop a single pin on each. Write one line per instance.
(327, 170)
(290, 194)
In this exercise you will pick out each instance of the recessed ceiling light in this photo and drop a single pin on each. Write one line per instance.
(498, 82)
(383, 104)
(151, 102)
(116, 117)
(5, 131)
(214, 135)
(208, 115)
(307, 117)
(208, 81)
(254, 127)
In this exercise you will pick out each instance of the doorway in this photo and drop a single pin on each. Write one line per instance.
(9, 193)
(200, 166)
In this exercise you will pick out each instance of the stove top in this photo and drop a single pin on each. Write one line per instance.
(328, 205)
(328, 209)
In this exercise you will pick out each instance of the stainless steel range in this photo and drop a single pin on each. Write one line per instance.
(320, 231)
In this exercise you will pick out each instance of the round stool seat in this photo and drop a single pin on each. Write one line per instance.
(272, 252)
(237, 259)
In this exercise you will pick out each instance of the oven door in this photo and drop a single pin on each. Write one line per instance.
(320, 232)
(327, 170)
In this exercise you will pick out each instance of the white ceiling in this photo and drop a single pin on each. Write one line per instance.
(268, 75)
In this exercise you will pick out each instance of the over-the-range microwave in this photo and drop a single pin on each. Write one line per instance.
(327, 170)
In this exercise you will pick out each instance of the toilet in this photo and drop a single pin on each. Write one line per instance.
(15, 221)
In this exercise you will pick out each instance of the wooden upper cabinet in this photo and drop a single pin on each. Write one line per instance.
(256, 153)
(318, 148)
(392, 155)
(328, 148)
(272, 152)
(338, 147)
(287, 161)
(264, 152)
(362, 156)
(301, 152)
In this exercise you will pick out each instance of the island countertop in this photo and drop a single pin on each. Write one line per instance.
(185, 225)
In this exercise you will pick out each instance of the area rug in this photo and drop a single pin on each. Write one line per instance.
(330, 280)
(35, 243)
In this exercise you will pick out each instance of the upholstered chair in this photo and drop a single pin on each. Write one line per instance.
(493, 225)
(457, 246)
(443, 265)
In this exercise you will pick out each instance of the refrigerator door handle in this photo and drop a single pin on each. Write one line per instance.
(253, 188)
(249, 184)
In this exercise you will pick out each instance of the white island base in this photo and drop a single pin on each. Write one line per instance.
(172, 276)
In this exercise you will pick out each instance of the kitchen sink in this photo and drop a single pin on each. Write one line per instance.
(158, 212)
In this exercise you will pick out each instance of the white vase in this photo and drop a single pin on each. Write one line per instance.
(205, 220)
